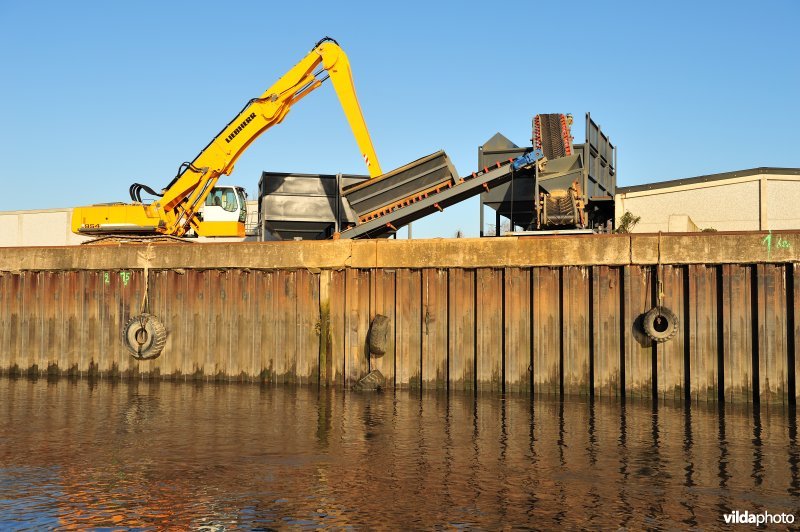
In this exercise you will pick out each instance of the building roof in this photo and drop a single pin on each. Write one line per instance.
(709, 178)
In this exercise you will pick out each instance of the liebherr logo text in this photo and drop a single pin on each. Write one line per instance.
(240, 127)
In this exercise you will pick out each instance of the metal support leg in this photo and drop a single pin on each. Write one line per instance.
(481, 211)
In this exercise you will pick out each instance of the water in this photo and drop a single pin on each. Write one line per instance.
(180, 455)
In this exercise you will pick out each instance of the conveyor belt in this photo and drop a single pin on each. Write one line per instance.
(386, 222)
(551, 134)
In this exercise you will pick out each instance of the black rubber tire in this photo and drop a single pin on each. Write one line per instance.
(372, 381)
(144, 336)
(378, 336)
(656, 328)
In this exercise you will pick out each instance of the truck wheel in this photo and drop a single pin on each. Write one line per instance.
(660, 324)
(144, 336)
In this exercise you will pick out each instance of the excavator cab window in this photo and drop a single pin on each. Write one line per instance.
(242, 204)
(223, 197)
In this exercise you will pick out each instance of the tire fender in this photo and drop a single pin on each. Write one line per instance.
(660, 324)
(144, 336)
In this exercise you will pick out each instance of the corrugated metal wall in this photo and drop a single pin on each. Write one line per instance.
(547, 330)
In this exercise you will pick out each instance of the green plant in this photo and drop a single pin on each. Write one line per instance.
(708, 230)
(627, 222)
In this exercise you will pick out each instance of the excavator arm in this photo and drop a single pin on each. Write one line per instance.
(175, 213)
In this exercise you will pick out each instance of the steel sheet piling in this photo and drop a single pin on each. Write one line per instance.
(356, 325)
(266, 318)
(91, 304)
(795, 331)
(517, 333)
(606, 289)
(409, 328)
(383, 295)
(489, 317)
(434, 329)
(639, 291)
(180, 320)
(337, 324)
(198, 339)
(671, 355)
(286, 351)
(547, 329)
(325, 358)
(73, 332)
(51, 316)
(5, 319)
(737, 333)
(308, 327)
(237, 314)
(462, 328)
(544, 327)
(772, 349)
(703, 368)
(575, 331)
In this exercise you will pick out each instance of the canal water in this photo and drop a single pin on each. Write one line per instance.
(181, 455)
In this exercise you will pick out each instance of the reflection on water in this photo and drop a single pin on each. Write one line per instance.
(183, 455)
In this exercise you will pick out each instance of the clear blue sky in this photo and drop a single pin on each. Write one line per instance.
(97, 95)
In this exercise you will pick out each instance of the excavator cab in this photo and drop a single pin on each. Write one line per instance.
(224, 212)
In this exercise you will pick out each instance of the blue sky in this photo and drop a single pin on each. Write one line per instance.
(96, 95)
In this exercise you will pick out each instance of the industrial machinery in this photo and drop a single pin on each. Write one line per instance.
(551, 185)
(178, 211)
(323, 206)
(319, 206)
(304, 206)
(573, 190)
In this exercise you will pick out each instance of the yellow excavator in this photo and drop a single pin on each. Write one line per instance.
(181, 204)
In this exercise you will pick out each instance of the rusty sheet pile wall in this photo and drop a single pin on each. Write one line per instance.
(519, 328)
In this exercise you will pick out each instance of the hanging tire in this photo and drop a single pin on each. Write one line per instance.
(144, 336)
(660, 324)
(378, 336)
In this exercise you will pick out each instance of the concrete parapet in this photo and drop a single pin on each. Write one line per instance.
(578, 250)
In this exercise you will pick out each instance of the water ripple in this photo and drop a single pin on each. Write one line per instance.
(168, 455)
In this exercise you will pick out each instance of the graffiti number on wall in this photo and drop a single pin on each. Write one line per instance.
(125, 276)
(779, 243)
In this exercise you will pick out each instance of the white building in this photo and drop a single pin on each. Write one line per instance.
(746, 200)
(49, 227)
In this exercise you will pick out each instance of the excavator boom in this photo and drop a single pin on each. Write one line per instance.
(176, 212)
